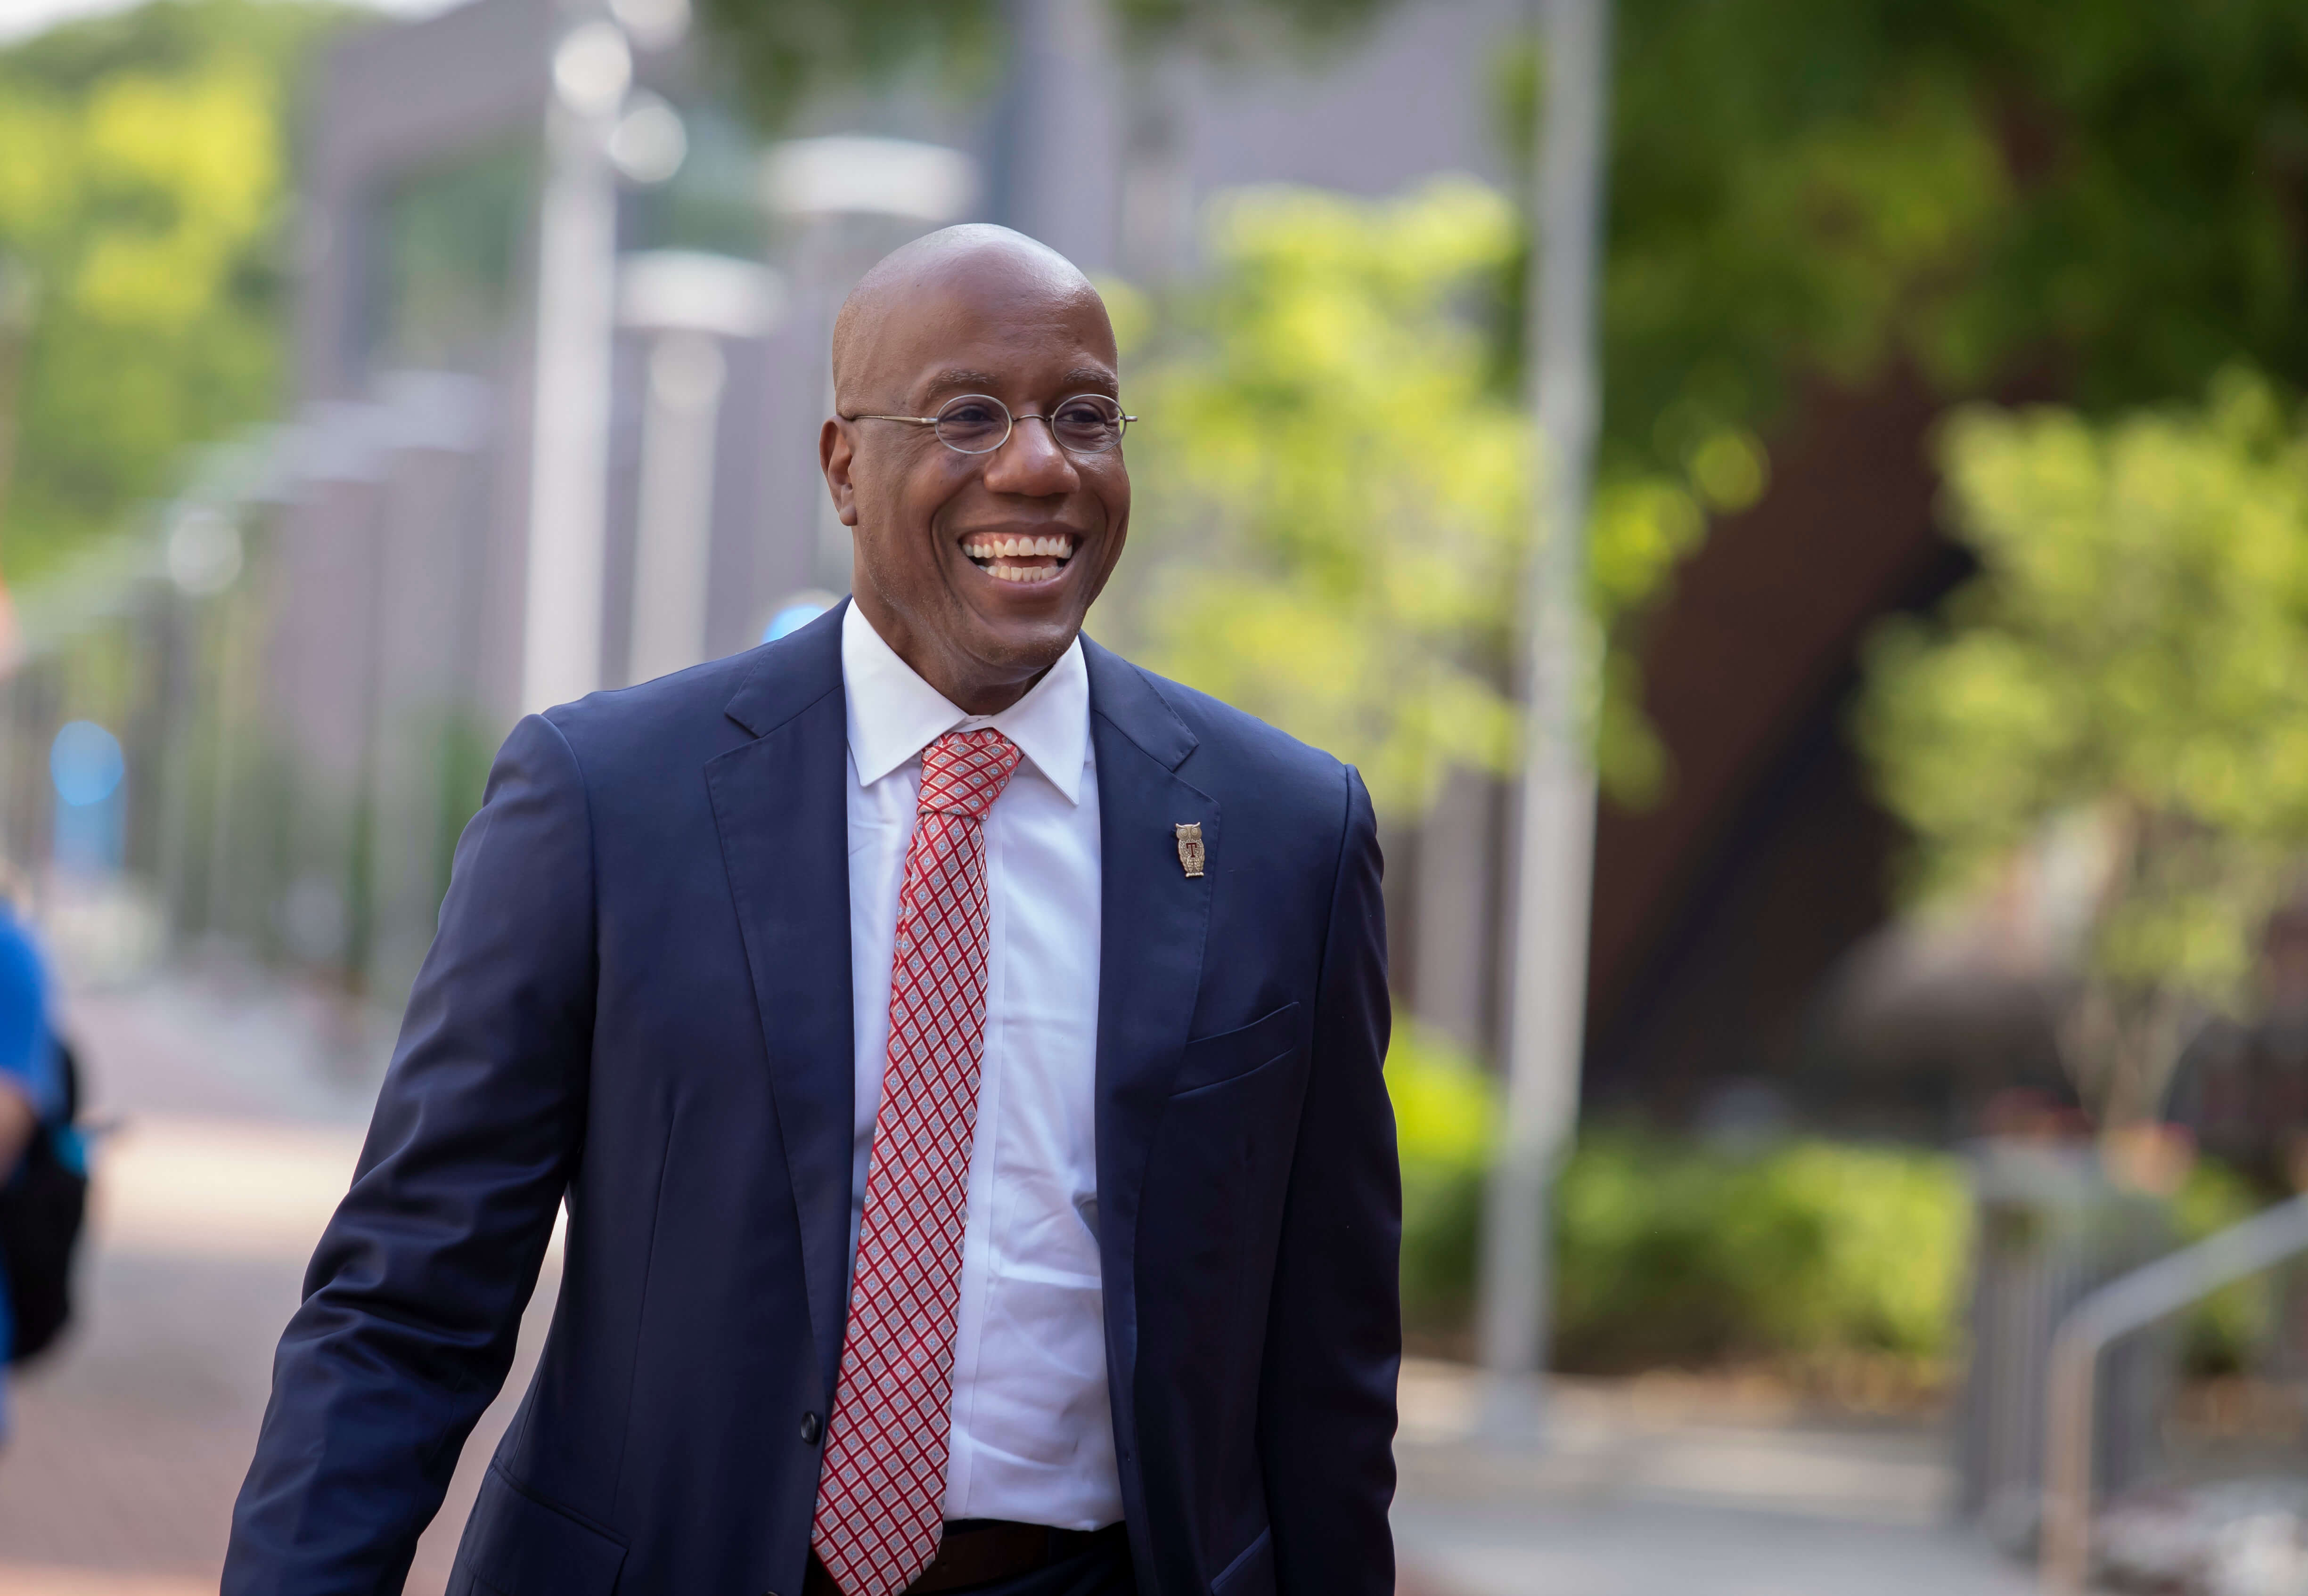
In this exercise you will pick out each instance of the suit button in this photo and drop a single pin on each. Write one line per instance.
(812, 1426)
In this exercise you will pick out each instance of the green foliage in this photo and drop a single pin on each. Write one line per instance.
(1824, 186)
(776, 55)
(2108, 192)
(2226, 1333)
(1772, 219)
(2133, 661)
(1336, 486)
(1445, 1119)
(1336, 491)
(1670, 1254)
(141, 213)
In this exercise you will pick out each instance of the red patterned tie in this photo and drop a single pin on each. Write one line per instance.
(882, 1493)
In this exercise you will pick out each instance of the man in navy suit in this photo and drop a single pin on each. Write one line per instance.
(958, 1050)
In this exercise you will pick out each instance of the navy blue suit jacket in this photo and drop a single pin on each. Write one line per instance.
(639, 1001)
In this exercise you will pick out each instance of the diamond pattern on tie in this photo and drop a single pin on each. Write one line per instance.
(881, 1494)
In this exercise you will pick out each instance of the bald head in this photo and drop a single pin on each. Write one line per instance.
(975, 260)
(976, 566)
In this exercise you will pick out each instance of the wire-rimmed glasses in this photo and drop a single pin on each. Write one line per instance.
(980, 424)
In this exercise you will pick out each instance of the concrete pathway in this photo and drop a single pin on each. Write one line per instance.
(238, 1120)
(1644, 1489)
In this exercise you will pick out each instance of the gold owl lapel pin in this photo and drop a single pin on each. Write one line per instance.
(1190, 848)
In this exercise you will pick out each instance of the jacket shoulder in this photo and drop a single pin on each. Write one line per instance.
(668, 710)
(707, 709)
(1236, 753)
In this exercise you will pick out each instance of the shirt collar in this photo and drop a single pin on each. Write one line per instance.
(893, 714)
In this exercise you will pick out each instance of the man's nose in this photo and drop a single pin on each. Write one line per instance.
(1029, 462)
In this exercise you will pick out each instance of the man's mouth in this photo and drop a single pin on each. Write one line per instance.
(1008, 558)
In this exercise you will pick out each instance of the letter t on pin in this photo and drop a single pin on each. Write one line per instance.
(1190, 848)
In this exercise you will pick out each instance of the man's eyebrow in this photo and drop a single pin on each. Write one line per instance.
(961, 380)
(964, 380)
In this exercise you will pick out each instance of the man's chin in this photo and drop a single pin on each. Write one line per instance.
(1021, 646)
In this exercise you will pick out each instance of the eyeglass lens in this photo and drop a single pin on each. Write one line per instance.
(975, 424)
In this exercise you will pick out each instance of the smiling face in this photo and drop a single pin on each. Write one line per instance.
(976, 569)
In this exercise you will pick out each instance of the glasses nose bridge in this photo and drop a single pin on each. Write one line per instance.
(1058, 452)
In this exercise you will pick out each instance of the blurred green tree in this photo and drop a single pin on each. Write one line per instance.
(1336, 489)
(777, 54)
(2129, 671)
(143, 214)
(1338, 483)
(2112, 194)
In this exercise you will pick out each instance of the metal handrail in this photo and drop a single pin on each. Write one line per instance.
(2133, 1302)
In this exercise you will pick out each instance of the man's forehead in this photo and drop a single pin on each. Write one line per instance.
(960, 349)
(969, 299)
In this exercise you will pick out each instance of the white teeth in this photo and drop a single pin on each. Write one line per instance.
(990, 550)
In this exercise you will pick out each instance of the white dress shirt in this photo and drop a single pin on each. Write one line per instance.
(1033, 1435)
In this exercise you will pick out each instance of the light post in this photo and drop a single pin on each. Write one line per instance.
(594, 131)
(569, 425)
(1553, 884)
(687, 303)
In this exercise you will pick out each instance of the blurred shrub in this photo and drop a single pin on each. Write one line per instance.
(1670, 1253)
(2124, 684)
(2229, 1331)
(1445, 1116)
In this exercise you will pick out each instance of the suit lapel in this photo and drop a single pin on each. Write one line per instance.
(781, 807)
(1153, 922)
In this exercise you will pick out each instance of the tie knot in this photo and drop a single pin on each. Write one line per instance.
(964, 772)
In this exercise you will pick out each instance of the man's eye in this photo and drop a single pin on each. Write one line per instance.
(972, 415)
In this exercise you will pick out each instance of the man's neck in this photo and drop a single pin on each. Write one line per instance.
(961, 681)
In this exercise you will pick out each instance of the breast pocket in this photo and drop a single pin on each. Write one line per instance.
(1211, 1060)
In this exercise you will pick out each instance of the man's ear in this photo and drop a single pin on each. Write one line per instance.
(834, 453)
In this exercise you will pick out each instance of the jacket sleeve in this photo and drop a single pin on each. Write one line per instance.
(414, 1298)
(1334, 1329)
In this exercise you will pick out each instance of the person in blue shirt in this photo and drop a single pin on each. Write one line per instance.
(28, 1083)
